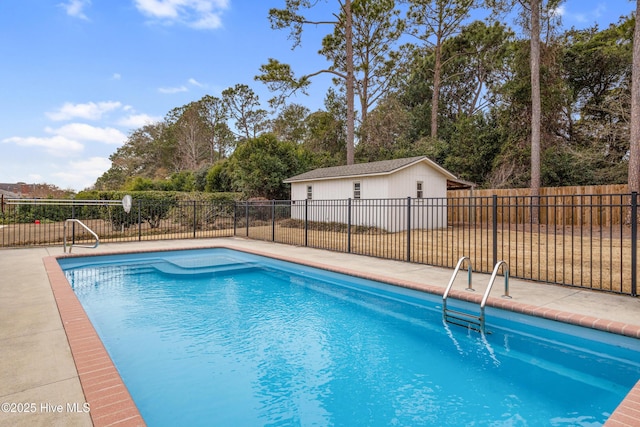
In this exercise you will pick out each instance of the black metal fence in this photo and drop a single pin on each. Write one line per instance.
(38, 222)
(588, 241)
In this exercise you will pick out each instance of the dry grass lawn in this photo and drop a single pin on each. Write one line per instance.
(578, 259)
(565, 256)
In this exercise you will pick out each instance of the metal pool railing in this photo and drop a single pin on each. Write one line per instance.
(73, 222)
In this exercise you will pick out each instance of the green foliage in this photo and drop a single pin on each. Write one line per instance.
(151, 206)
(28, 213)
(473, 144)
(484, 108)
(290, 125)
(218, 177)
(198, 211)
(259, 166)
(243, 106)
(561, 166)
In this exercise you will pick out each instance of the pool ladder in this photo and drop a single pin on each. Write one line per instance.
(469, 320)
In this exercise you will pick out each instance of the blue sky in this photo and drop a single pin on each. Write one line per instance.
(77, 76)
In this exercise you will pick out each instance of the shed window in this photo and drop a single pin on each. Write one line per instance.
(419, 192)
(309, 192)
(356, 190)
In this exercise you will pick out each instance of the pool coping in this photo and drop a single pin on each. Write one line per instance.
(112, 405)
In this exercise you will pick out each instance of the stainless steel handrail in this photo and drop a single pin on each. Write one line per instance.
(490, 285)
(454, 316)
(453, 278)
(64, 240)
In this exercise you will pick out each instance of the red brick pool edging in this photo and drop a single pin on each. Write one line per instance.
(112, 405)
(108, 398)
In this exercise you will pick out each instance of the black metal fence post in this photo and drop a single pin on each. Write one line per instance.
(634, 243)
(195, 218)
(306, 222)
(139, 220)
(273, 220)
(494, 224)
(349, 225)
(235, 218)
(246, 216)
(408, 228)
(73, 224)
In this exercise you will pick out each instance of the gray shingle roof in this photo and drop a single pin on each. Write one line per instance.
(363, 169)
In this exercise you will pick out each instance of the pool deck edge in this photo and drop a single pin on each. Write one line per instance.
(108, 398)
(112, 405)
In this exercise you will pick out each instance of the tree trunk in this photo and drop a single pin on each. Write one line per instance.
(634, 140)
(350, 83)
(535, 108)
(435, 97)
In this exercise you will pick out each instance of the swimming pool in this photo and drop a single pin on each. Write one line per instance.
(219, 337)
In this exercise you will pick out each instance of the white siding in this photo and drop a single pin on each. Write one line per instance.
(330, 202)
(403, 183)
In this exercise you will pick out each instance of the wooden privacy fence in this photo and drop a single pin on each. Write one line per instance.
(602, 206)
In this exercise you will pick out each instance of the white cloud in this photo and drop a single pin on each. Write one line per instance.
(171, 90)
(182, 88)
(82, 174)
(199, 14)
(75, 8)
(116, 76)
(35, 177)
(138, 120)
(195, 82)
(58, 146)
(89, 111)
(85, 132)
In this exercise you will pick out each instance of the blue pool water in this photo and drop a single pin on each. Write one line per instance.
(219, 338)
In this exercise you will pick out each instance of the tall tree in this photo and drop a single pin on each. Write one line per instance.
(387, 127)
(148, 152)
(376, 30)
(475, 64)
(597, 67)
(259, 165)
(634, 140)
(326, 131)
(533, 10)
(187, 125)
(280, 78)
(433, 22)
(359, 50)
(216, 113)
(243, 106)
(535, 104)
(290, 124)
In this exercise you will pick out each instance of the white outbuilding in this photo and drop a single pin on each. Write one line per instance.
(383, 194)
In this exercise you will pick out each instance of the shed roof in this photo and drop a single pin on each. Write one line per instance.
(384, 167)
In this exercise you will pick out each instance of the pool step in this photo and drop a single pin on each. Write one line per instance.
(173, 269)
(228, 268)
(463, 319)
